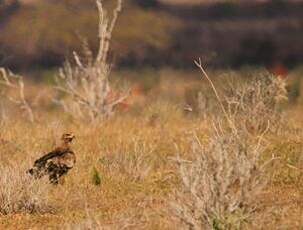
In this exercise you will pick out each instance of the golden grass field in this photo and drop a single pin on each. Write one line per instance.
(125, 175)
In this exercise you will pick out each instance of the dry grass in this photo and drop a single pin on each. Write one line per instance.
(137, 176)
(20, 194)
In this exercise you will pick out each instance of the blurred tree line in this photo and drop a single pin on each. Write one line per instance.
(42, 33)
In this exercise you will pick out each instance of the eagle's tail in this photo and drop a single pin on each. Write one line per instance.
(37, 171)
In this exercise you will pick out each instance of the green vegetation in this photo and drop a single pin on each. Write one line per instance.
(96, 178)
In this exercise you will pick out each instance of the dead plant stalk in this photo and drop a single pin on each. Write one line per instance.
(15, 82)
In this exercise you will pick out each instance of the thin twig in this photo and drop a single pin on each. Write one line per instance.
(199, 65)
(87, 83)
(19, 85)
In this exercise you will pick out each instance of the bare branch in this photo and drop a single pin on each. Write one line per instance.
(85, 84)
(199, 65)
(222, 179)
(15, 82)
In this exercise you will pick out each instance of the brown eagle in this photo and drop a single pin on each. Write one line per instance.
(55, 163)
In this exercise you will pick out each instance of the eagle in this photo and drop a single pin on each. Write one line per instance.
(55, 163)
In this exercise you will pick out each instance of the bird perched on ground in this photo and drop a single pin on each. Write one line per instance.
(55, 163)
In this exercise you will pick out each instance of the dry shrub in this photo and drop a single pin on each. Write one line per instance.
(222, 181)
(134, 164)
(85, 82)
(220, 185)
(257, 102)
(15, 83)
(19, 193)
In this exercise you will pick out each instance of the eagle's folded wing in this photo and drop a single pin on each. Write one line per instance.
(50, 155)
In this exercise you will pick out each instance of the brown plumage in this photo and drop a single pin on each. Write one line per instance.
(55, 163)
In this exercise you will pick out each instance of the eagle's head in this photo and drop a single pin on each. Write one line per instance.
(67, 137)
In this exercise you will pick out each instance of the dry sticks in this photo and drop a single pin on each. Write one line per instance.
(13, 81)
(85, 82)
(222, 179)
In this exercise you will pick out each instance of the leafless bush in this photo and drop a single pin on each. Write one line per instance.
(85, 82)
(257, 102)
(221, 183)
(135, 164)
(15, 82)
(20, 194)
